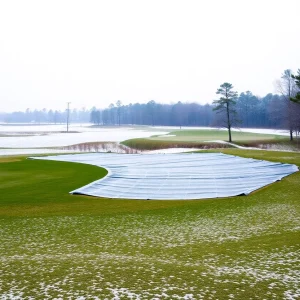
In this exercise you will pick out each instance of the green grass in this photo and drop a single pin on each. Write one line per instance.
(209, 135)
(57, 245)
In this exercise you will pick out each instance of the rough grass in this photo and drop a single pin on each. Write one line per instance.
(151, 144)
(283, 143)
(56, 245)
(100, 147)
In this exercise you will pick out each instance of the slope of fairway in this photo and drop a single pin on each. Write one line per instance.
(56, 245)
(209, 135)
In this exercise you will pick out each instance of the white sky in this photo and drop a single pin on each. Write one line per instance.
(93, 53)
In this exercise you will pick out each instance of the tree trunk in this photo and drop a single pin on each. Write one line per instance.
(229, 133)
(228, 122)
(291, 134)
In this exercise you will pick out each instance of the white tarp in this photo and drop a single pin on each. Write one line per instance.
(177, 176)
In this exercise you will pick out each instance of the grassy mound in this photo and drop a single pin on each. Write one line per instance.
(57, 245)
(203, 139)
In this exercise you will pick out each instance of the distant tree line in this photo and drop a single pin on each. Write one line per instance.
(252, 111)
(46, 116)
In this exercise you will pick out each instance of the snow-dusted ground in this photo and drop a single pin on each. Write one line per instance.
(170, 150)
(153, 256)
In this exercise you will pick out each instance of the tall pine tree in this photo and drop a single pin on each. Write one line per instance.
(226, 105)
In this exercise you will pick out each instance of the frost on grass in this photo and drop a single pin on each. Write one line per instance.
(184, 254)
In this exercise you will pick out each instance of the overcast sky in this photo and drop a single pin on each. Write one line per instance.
(93, 53)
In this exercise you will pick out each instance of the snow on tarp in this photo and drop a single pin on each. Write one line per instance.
(177, 176)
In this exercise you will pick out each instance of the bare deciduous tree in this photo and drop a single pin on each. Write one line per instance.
(286, 86)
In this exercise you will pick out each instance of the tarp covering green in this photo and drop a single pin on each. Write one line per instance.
(176, 176)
